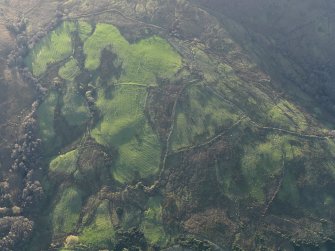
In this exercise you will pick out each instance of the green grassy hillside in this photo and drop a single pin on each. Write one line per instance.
(125, 127)
(52, 49)
(172, 136)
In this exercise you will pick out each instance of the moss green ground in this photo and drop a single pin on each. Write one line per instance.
(152, 224)
(53, 48)
(85, 30)
(142, 62)
(65, 215)
(286, 115)
(69, 70)
(124, 126)
(200, 116)
(74, 108)
(65, 164)
(46, 115)
(264, 161)
(260, 158)
(100, 232)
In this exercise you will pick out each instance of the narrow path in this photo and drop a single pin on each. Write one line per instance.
(295, 133)
(168, 139)
(245, 117)
(211, 140)
(293, 222)
(134, 84)
(298, 134)
(280, 182)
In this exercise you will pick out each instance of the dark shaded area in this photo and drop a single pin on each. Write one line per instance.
(290, 40)
(133, 240)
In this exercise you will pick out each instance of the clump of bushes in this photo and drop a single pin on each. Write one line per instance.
(194, 244)
(15, 231)
(132, 239)
(71, 241)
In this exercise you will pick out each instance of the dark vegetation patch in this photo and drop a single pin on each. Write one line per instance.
(133, 239)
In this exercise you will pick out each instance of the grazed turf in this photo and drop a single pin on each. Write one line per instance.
(152, 223)
(142, 62)
(66, 212)
(100, 232)
(124, 126)
(74, 107)
(264, 161)
(200, 116)
(64, 164)
(51, 49)
(69, 70)
(85, 29)
(46, 114)
(286, 115)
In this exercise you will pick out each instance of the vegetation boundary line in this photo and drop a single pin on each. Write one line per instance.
(269, 127)
(302, 135)
(116, 11)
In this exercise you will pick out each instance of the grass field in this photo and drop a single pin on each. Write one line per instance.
(293, 193)
(200, 115)
(251, 98)
(206, 65)
(46, 117)
(286, 115)
(249, 160)
(152, 224)
(142, 62)
(64, 164)
(124, 126)
(263, 161)
(84, 30)
(69, 70)
(100, 233)
(74, 107)
(289, 192)
(66, 212)
(254, 100)
(53, 48)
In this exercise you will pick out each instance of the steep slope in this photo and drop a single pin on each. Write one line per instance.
(170, 125)
(291, 40)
